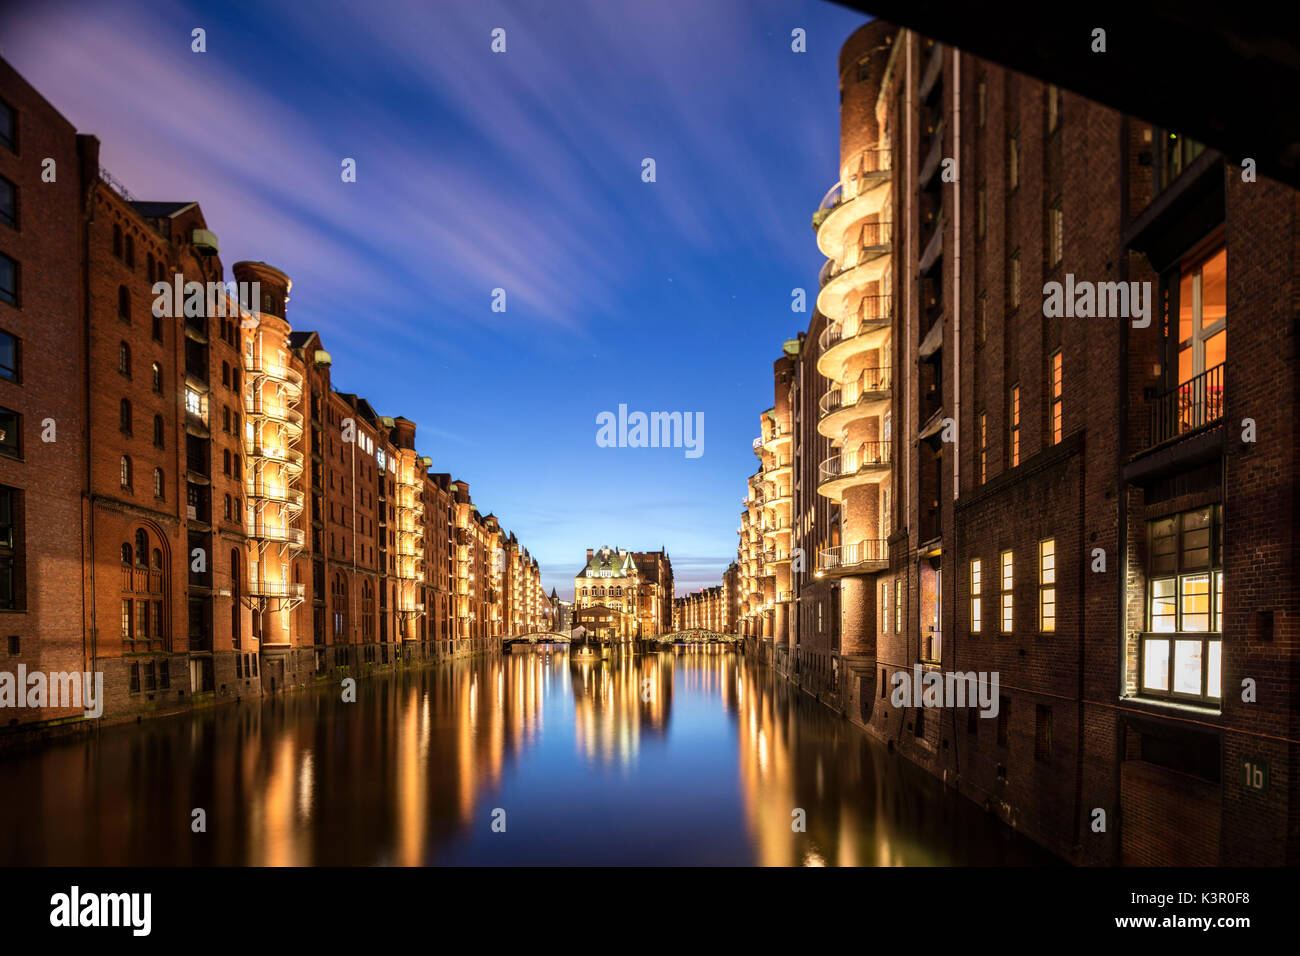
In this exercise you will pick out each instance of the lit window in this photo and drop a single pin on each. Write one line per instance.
(976, 608)
(193, 402)
(1047, 585)
(984, 447)
(1015, 425)
(1007, 581)
(1057, 399)
(898, 606)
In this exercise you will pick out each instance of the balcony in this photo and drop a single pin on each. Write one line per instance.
(758, 445)
(259, 369)
(864, 396)
(1191, 406)
(264, 532)
(255, 407)
(862, 265)
(866, 463)
(862, 191)
(268, 491)
(861, 557)
(867, 328)
(276, 589)
(784, 597)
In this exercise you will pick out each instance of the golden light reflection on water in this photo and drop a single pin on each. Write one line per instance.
(719, 752)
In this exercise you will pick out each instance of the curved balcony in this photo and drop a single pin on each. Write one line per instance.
(257, 368)
(263, 532)
(868, 263)
(276, 589)
(863, 190)
(861, 557)
(288, 458)
(865, 463)
(865, 396)
(867, 328)
(777, 437)
(280, 494)
(256, 408)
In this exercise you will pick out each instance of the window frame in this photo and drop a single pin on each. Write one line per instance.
(1046, 586)
(1006, 591)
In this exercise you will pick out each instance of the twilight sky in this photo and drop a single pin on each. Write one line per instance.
(519, 171)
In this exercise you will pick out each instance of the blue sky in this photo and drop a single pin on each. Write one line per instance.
(520, 171)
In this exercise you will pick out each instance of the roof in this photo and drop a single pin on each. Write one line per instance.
(160, 210)
(609, 562)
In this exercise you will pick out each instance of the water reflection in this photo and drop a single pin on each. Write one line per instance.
(686, 756)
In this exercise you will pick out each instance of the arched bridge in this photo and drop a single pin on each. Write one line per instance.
(537, 637)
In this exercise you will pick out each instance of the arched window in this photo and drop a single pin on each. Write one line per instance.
(124, 359)
(117, 241)
(124, 416)
(158, 490)
(225, 374)
(126, 553)
(236, 619)
(157, 328)
(141, 547)
(157, 378)
(123, 303)
(155, 560)
(225, 461)
(126, 472)
(144, 597)
(228, 512)
(158, 431)
(148, 271)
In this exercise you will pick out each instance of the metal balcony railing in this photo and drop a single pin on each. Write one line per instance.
(1193, 404)
(875, 235)
(872, 552)
(847, 394)
(872, 313)
(275, 589)
(860, 168)
(850, 461)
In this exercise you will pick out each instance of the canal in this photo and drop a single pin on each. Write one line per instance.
(682, 757)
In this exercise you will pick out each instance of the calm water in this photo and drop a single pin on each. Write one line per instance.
(680, 757)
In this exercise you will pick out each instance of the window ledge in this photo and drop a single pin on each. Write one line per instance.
(1177, 706)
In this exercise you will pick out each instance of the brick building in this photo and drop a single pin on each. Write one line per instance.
(218, 520)
(633, 589)
(1085, 495)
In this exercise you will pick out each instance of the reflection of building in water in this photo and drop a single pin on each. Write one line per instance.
(615, 698)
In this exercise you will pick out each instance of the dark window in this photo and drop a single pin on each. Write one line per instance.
(158, 489)
(8, 126)
(158, 431)
(1004, 720)
(124, 416)
(8, 280)
(130, 251)
(135, 678)
(8, 203)
(124, 359)
(117, 241)
(11, 548)
(11, 427)
(150, 676)
(123, 303)
(13, 644)
(141, 547)
(157, 378)
(9, 353)
(157, 328)
(1042, 731)
(125, 472)
(164, 674)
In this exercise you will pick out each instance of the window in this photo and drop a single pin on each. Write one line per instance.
(157, 378)
(8, 280)
(979, 211)
(135, 678)
(125, 467)
(1007, 582)
(11, 550)
(1042, 731)
(976, 605)
(117, 241)
(981, 318)
(11, 433)
(124, 359)
(1013, 280)
(130, 252)
(158, 490)
(1047, 586)
(984, 447)
(8, 203)
(9, 353)
(1054, 387)
(898, 606)
(158, 431)
(1055, 234)
(1202, 330)
(225, 461)
(1181, 650)
(1004, 720)
(157, 328)
(981, 103)
(8, 127)
(123, 303)
(193, 402)
(1053, 108)
(1013, 163)
(124, 416)
(1014, 409)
